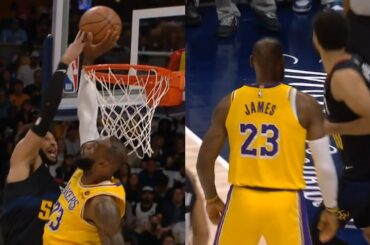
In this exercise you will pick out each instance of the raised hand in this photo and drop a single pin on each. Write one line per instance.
(214, 210)
(93, 51)
(74, 49)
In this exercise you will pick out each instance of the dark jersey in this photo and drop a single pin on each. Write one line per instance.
(354, 150)
(27, 206)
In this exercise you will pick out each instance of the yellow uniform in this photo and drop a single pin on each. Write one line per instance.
(267, 152)
(66, 224)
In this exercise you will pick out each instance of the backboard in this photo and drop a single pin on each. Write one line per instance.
(149, 37)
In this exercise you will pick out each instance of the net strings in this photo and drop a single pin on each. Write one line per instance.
(127, 110)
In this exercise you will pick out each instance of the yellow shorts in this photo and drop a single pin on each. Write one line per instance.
(251, 215)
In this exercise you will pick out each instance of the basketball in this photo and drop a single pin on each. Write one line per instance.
(98, 20)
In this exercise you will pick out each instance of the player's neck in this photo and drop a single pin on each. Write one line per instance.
(88, 178)
(266, 80)
(331, 58)
(37, 164)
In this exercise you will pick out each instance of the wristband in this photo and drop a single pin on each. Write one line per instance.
(211, 200)
(332, 210)
(62, 66)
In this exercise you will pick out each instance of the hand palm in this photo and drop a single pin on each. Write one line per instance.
(92, 51)
(214, 211)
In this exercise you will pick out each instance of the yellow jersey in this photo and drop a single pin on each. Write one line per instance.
(267, 142)
(66, 224)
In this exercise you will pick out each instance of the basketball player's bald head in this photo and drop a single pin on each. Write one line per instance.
(267, 59)
(267, 51)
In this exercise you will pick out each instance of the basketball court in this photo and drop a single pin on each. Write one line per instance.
(192, 148)
(217, 66)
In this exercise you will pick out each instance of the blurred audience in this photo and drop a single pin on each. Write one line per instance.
(133, 189)
(176, 158)
(13, 34)
(168, 239)
(34, 90)
(18, 96)
(162, 190)
(174, 209)
(4, 109)
(72, 140)
(6, 80)
(28, 66)
(358, 14)
(150, 174)
(153, 231)
(144, 209)
(65, 172)
(124, 173)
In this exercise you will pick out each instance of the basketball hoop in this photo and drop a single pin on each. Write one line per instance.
(128, 96)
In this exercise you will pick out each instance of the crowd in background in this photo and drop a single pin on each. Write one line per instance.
(266, 11)
(154, 185)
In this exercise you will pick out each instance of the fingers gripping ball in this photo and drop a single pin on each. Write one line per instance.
(98, 20)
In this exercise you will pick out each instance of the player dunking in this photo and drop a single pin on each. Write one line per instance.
(267, 124)
(347, 100)
(30, 190)
(90, 208)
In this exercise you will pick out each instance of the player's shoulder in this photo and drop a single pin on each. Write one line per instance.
(224, 104)
(102, 200)
(101, 206)
(307, 108)
(308, 102)
(345, 76)
(305, 99)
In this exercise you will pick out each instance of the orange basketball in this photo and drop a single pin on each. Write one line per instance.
(98, 20)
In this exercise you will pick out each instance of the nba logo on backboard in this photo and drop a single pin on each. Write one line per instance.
(71, 80)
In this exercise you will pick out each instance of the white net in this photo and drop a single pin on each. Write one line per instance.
(127, 101)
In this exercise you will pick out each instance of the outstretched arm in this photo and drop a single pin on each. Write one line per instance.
(349, 87)
(87, 109)
(104, 213)
(26, 151)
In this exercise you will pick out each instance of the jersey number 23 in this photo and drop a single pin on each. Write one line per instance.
(268, 131)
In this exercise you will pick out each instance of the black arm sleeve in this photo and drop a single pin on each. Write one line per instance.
(52, 97)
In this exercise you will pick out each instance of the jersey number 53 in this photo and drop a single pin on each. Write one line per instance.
(268, 131)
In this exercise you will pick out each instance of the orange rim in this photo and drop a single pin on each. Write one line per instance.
(176, 79)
